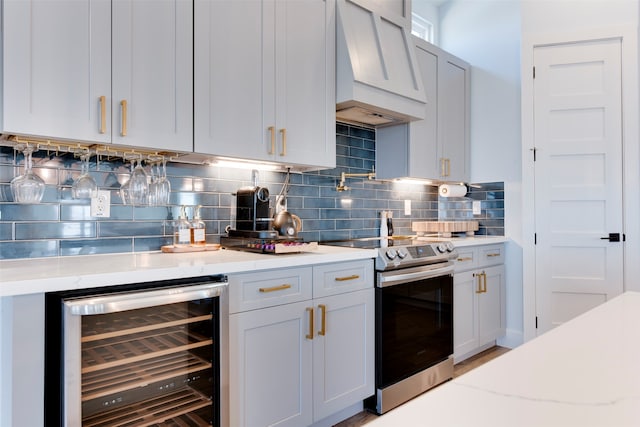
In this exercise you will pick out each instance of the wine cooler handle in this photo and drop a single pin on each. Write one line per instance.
(148, 298)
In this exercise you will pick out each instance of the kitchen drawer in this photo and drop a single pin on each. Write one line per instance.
(268, 288)
(467, 259)
(332, 279)
(490, 255)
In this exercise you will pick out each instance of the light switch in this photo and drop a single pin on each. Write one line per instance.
(477, 207)
(407, 207)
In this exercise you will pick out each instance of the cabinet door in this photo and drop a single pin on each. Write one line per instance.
(343, 352)
(465, 313)
(305, 82)
(56, 68)
(454, 119)
(229, 82)
(265, 90)
(270, 368)
(423, 158)
(152, 73)
(491, 306)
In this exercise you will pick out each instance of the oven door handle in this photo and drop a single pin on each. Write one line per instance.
(390, 279)
(148, 298)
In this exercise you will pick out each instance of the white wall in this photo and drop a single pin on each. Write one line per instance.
(486, 33)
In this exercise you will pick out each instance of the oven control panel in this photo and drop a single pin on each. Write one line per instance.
(412, 255)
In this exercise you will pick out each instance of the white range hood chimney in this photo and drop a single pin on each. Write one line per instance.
(378, 81)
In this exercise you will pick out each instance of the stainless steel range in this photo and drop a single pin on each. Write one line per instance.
(414, 318)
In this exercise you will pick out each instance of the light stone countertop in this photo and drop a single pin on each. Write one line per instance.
(460, 242)
(585, 372)
(27, 276)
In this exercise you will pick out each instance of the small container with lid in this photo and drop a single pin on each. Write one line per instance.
(197, 229)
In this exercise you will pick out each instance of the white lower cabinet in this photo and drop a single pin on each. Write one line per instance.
(479, 313)
(295, 363)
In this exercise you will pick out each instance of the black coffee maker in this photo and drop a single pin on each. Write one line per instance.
(252, 209)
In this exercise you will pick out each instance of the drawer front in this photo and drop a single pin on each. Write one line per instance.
(490, 255)
(467, 259)
(332, 279)
(268, 288)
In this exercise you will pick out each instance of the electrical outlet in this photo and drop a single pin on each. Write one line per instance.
(476, 206)
(407, 207)
(101, 204)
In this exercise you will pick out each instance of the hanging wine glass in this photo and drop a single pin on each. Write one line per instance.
(138, 185)
(124, 188)
(28, 187)
(163, 185)
(153, 184)
(84, 187)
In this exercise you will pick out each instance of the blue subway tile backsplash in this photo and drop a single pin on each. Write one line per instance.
(62, 226)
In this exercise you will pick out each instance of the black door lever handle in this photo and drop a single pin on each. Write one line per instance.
(613, 237)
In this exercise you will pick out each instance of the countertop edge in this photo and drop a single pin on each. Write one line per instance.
(30, 276)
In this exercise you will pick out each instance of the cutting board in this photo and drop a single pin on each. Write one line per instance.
(445, 227)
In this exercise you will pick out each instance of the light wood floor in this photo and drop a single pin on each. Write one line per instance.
(363, 418)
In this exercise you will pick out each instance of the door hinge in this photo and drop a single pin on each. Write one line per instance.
(536, 322)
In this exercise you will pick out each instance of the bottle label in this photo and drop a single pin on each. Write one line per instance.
(198, 236)
(184, 237)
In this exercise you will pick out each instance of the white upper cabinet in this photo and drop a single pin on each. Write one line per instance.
(437, 147)
(265, 80)
(57, 69)
(153, 74)
(63, 78)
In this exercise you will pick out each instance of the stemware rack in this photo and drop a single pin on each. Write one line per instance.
(101, 151)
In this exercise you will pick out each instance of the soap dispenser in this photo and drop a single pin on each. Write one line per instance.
(198, 235)
(181, 230)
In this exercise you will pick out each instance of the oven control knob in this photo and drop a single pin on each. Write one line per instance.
(442, 247)
(450, 247)
(402, 253)
(391, 253)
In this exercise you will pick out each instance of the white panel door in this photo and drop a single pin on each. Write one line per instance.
(343, 352)
(578, 178)
(270, 369)
(56, 67)
(152, 72)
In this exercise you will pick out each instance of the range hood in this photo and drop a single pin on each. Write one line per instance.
(378, 81)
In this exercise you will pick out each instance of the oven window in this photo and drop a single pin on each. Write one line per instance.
(414, 327)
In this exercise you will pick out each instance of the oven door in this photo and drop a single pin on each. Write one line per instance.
(414, 322)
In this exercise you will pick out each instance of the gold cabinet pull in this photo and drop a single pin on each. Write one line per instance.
(463, 259)
(123, 129)
(448, 162)
(493, 255)
(484, 278)
(345, 278)
(272, 131)
(283, 131)
(323, 319)
(103, 114)
(442, 167)
(275, 288)
(479, 282)
(309, 336)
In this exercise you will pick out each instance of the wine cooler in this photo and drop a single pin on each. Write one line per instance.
(147, 354)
